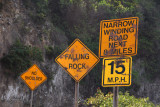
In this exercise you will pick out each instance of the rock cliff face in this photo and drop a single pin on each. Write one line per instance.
(148, 88)
(15, 24)
(57, 92)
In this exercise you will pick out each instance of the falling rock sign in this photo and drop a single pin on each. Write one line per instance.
(77, 60)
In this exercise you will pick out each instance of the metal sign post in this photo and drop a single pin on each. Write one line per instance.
(115, 96)
(118, 39)
(76, 93)
(31, 98)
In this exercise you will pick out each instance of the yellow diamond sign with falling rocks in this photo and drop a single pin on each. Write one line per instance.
(77, 60)
(33, 77)
(116, 72)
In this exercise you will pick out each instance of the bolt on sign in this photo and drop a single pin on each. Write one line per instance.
(33, 77)
(116, 72)
(118, 37)
(77, 60)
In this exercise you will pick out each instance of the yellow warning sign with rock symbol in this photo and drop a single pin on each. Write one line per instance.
(33, 77)
(77, 60)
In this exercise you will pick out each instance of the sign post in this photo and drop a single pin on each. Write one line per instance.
(115, 96)
(31, 98)
(77, 60)
(118, 38)
(76, 93)
(33, 77)
(116, 72)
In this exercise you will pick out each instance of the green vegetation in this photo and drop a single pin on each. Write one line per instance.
(124, 100)
(20, 58)
(24, 29)
(40, 7)
(53, 52)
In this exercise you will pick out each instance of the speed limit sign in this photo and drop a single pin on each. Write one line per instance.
(116, 72)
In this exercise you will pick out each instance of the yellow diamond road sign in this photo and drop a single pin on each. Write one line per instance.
(118, 37)
(116, 72)
(33, 77)
(77, 60)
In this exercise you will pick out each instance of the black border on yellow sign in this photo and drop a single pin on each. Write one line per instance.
(27, 71)
(112, 85)
(100, 37)
(87, 49)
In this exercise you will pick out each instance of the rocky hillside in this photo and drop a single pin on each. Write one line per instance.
(17, 25)
(50, 26)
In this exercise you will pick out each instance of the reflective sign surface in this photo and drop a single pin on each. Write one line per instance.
(116, 72)
(33, 77)
(118, 37)
(77, 60)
